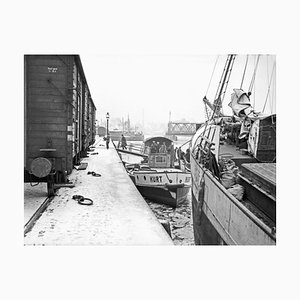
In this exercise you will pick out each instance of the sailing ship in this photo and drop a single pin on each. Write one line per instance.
(233, 168)
(156, 178)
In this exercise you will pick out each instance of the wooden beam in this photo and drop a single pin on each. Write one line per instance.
(129, 152)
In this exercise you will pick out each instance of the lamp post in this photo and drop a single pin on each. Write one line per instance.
(107, 118)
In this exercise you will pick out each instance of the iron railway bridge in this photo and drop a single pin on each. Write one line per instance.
(182, 128)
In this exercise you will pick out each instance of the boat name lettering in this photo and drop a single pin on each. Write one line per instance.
(155, 178)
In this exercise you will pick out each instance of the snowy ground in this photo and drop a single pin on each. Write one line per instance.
(34, 196)
(118, 216)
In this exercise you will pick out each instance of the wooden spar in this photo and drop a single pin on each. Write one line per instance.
(217, 104)
(133, 153)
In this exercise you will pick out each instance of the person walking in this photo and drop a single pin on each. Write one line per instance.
(123, 142)
(107, 141)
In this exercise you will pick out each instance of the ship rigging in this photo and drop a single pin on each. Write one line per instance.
(233, 168)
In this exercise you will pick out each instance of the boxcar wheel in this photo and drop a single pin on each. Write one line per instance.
(50, 188)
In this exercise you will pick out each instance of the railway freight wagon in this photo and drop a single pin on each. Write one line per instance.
(59, 117)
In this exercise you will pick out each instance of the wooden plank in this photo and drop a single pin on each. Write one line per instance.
(260, 198)
(47, 113)
(46, 127)
(266, 171)
(237, 223)
(35, 119)
(38, 143)
(54, 84)
(35, 140)
(217, 225)
(132, 153)
(261, 174)
(50, 91)
(44, 77)
(48, 106)
(42, 141)
(36, 153)
(60, 135)
(47, 98)
(43, 69)
(47, 60)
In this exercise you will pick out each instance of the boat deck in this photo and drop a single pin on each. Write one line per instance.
(263, 175)
(235, 154)
(259, 180)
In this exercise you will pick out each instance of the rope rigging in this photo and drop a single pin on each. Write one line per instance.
(269, 86)
(212, 74)
(216, 106)
(244, 71)
(221, 91)
(253, 77)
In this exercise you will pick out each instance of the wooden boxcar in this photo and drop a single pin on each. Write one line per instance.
(59, 117)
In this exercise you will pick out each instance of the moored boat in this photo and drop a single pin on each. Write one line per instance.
(233, 167)
(131, 135)
(156, 178)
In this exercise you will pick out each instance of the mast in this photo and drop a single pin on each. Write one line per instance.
(217, 104)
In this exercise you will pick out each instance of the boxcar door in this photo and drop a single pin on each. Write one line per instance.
(74, 125)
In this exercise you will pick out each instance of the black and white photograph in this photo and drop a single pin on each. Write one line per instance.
(146, 167)
(142, 154)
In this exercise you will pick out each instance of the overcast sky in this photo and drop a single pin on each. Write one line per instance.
(151, 86)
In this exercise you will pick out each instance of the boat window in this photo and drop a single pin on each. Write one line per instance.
(160, 159)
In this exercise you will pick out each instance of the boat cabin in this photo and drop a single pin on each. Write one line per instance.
(160, 151)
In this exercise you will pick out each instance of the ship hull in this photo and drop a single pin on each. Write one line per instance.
(165, 196)
(219, 218)
(172, 194)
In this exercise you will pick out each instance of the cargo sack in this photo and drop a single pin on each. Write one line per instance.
(228, 179)
(237, 191)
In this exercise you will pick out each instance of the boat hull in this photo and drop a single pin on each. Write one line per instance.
(219, 218)
(170, 194)
(165, 196)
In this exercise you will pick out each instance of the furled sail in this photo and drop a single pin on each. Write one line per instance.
(240, 103)
(242, 108)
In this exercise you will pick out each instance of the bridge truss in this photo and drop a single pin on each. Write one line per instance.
(182, 128)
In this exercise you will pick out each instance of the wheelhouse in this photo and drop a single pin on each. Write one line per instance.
(160, 151)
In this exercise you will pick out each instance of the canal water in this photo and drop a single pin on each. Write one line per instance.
(180, 218)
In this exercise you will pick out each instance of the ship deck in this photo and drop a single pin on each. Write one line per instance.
(234, 153)
(259, 180)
